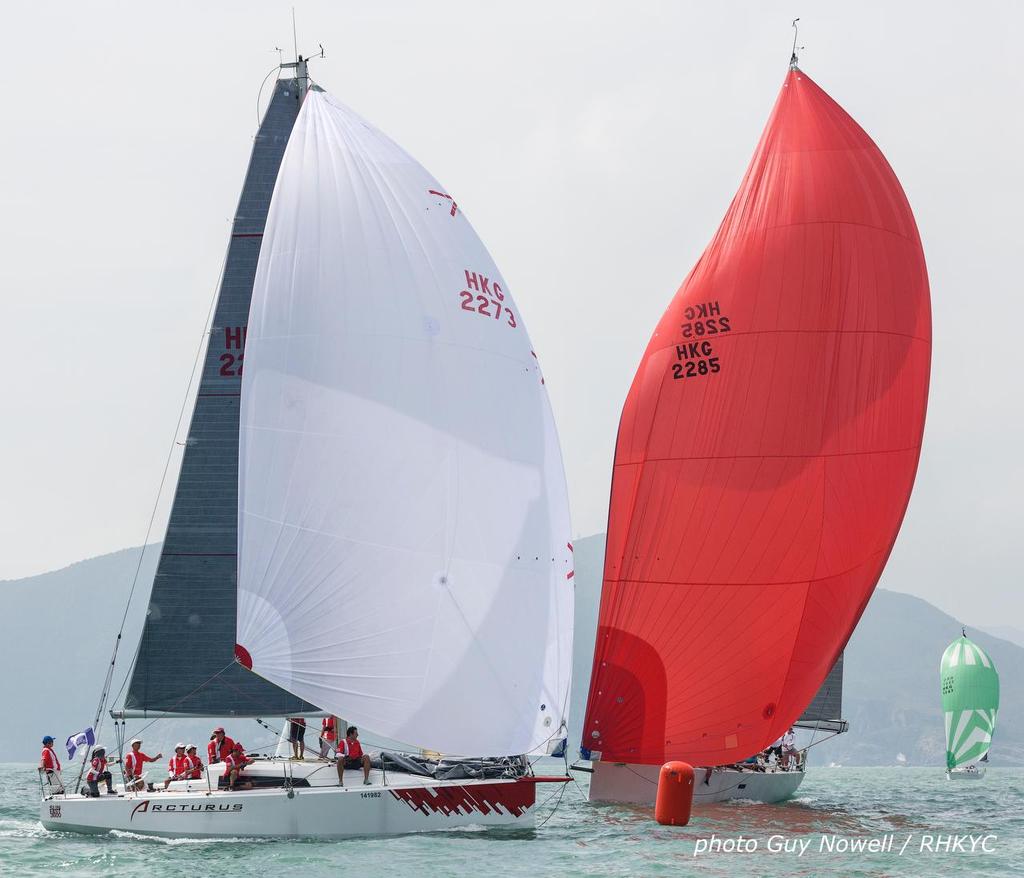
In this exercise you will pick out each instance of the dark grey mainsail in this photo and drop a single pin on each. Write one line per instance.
(185, 663)
(825, 712)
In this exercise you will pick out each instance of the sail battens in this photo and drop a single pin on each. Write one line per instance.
(766, 452)
(807, 456)
(185, 664)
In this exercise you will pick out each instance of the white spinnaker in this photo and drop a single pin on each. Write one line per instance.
(403, 529)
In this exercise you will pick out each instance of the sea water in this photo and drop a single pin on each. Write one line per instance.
(844, 821)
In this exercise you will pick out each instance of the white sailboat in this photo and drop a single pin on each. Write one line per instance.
(402, 538)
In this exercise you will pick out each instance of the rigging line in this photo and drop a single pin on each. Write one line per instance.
(259, 96)
(187, 695)
(203, 339)
(551, 814)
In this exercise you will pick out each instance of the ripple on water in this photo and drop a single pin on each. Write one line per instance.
(579, 838)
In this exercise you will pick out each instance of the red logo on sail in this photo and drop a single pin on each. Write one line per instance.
(455, 207)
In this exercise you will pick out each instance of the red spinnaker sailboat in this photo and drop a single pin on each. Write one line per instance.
(766, 451)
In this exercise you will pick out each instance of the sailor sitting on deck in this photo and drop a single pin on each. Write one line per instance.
(233, 767)
(180, 766)
(134, 763)
(195, 763)
(351, 755)
(220, 746)
(98, 772)
(49, 766)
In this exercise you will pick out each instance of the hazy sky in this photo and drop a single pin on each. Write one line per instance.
(595, 148)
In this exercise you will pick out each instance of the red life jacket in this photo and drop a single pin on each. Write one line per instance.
(49, 760)
(327, 728)
(133, 763)
(233, 762)
(354, 750)
(196, 765)
(99, 765)
(219, 754)
(179, 766)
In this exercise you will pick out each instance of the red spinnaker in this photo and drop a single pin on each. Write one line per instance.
(766, 451)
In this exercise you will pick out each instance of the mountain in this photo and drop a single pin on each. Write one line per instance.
(59, 629)
(891, 686)
(1005, 632)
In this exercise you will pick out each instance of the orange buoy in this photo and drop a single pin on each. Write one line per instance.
(675, 794)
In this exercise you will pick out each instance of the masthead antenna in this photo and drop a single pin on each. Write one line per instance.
(793, 60)
(300, 64)
(295, 36)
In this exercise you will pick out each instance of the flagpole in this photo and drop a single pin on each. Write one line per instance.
(87, 749)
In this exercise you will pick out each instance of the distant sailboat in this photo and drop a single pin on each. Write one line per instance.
(970, 703)
(372, 520)
(765, 458)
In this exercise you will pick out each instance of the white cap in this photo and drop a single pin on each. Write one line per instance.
(136, 741)
(179, 744)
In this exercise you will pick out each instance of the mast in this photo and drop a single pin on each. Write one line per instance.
(301, 68)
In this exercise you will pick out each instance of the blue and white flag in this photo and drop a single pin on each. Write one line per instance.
(82, 739)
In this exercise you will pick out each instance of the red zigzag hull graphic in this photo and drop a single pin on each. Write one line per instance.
(512, 798)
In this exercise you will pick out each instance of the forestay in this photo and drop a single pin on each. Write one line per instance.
(404, 556)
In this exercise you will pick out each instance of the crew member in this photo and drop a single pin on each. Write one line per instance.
(179, 767)
(195, 763)
(328, 735)
(776, 748)
(98, 772)
(220, 746)
(788, 747)
(352, 756)
(134, 763)
(297, 736)
(234, 765)
(49, 764)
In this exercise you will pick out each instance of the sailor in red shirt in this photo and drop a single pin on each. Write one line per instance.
(49, 765)
(328, 735)
(220, 746)
(180, 766)
(195, 762)
(233, 767)
(351, 755)
(134, 765)
(97, 772)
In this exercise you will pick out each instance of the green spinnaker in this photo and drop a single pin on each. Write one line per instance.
(970, 701)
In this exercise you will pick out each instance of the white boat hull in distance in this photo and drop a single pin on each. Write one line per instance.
(410, 805)
(968, 772)
(638, 784)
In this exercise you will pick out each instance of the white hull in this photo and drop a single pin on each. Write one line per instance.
(638, 784)
(403, 804)
(971, 772)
